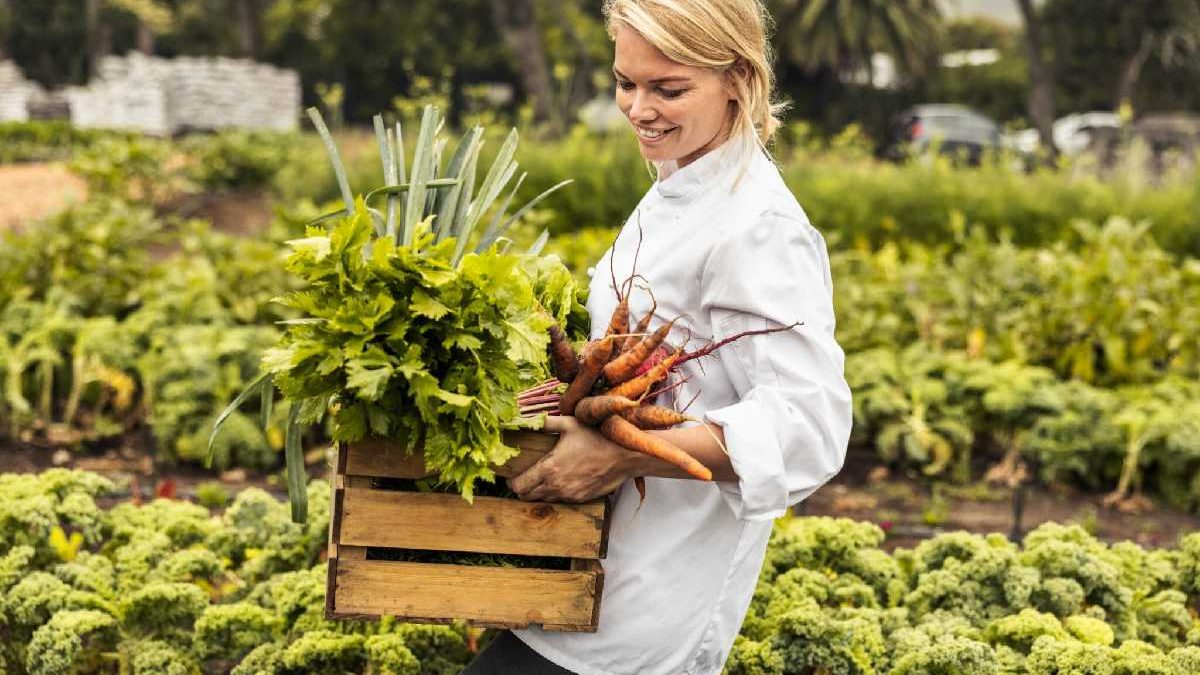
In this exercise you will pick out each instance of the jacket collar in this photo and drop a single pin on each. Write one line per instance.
(705, 173)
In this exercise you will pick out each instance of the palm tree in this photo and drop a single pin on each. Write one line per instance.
(843, 35)
(1168, 29)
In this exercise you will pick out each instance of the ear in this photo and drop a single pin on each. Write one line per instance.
(740, 70)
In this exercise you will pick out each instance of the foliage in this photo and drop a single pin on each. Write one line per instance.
(137, 169)
(98, 336)
(1112, 309)
(926, 201)
(843, 36)
(42, 140)
(414, 334)
(829, 599)
(396, 315)
(243, 160)
(168, 588)
(966, 603)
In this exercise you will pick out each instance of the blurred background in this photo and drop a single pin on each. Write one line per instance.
(1008, 188)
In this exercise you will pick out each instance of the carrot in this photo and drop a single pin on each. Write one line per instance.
(562, 355)
(625, 366)
(642, 383)
(653, 359)
(595, 409)
(654, 417)
(619, 323)
(644, 324)
(595, 355)
(622, 432)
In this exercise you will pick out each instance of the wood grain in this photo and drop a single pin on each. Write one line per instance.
(387, 459)
(446, 522)
(483, 595)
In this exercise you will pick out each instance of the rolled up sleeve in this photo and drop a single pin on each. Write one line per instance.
(787, 432)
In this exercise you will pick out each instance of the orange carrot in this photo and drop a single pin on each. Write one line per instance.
(563, 360)
(623, 433)
(595, 409)
(644, 324)
(654, 417)
(640, 384)
(619, 323)
(595, 355)
(625, 366)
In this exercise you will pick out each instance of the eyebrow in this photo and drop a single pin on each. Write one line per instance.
(657, 80)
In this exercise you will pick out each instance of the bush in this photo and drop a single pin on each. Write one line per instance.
(968, 607)
(149, 590)
(44, 140)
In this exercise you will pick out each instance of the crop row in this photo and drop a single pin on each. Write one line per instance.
(170, 587)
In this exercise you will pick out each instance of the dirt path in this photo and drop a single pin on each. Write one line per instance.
(29, 192)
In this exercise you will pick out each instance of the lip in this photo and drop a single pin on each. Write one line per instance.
(652, 141)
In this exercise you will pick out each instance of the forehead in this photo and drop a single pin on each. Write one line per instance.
(637, 59)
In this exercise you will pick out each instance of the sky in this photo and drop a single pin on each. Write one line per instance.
(1003, 10)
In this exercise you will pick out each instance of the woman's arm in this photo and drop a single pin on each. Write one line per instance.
(585, 465)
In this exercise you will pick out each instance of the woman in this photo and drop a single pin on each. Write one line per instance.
(725, 248)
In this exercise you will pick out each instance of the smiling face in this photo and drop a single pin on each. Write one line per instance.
(679, 112)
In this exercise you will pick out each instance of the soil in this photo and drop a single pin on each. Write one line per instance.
(911, 509)
(907, 508)
(30, 192)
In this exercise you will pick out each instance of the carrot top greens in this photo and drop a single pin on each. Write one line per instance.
(407, 331)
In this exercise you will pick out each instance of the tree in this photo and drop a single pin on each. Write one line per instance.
(1110, 52)
(99, 39)
(1168, 29)
(5, 23)
(517, 23)
(1041, 77)
(249, 21)
(843, 35)
(153, 18)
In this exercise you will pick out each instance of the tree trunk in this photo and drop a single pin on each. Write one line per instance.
(1041, 78)
(1131, 73)
(5, 27)
(249, 22)
(582, 87)
(518, 25)
(145, 38)
(98, 41)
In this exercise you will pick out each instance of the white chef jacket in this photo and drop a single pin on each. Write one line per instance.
(680, 573)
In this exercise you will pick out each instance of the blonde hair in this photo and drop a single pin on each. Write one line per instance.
(728, 36)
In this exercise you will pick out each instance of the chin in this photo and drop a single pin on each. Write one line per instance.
(664, 154)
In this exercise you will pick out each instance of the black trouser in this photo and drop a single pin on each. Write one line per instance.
(508, 655)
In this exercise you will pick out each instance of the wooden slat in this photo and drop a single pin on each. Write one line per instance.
(335, 486)
(387, 459)
(483, 595)
(446, 522)
(594, 567)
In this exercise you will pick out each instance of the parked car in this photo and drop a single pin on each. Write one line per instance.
(1073, 134)
(952, 129)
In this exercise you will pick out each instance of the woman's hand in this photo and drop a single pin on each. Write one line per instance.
(582, 466)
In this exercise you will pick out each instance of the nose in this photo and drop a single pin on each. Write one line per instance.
(641, 108)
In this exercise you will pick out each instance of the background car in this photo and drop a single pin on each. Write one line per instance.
(1074, 134)
(954, 130)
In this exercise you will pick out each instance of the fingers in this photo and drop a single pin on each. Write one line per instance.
(559, 424)
(530, 478)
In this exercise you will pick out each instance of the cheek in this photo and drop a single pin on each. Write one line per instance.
(624, 100)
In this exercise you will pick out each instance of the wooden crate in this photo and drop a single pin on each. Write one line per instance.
(367, 520)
